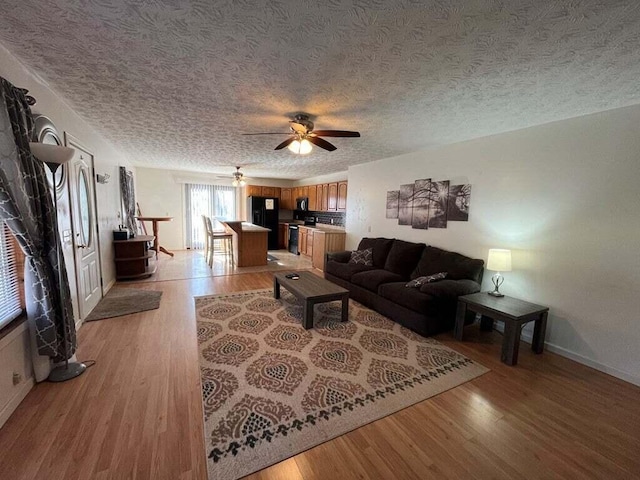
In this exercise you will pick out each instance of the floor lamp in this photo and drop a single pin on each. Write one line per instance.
(54, 156)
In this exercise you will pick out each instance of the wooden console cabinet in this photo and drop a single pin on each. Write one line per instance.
(133, 257)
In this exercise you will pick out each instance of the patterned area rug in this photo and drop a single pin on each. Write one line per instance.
(124, 301)
(272, 389)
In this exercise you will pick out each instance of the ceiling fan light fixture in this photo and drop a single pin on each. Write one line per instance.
(300, 147)
(238, 178)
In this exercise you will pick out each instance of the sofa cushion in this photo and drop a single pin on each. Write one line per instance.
(403, 257)
(372, 279)
(418, 282)
(411, 298)
(345, 270)
(362, 257)
(457, 266)
(380, 246)
(450, 288)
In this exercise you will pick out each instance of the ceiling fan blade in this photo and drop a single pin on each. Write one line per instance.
(322, 143)
(335, 133)
(285, 143)
(268, 133)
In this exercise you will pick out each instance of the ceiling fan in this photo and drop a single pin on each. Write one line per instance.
(302, 135)
(238, 178)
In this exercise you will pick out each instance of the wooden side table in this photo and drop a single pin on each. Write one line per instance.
(513, 312)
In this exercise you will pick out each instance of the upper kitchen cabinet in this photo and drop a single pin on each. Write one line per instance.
(313, 199)
(332, 201)
(286, 199)
(342, 196)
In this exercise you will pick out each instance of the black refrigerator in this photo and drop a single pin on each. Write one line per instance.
(263, 211)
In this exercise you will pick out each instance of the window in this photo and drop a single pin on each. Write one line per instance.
(10, 306)
(215, 201)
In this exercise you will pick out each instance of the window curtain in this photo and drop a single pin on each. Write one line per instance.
(128, 199)
(27, 208)
(215, 201)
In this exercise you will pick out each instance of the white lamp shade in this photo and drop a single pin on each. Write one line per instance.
(499, 260)
(51, 153)
(301, 147)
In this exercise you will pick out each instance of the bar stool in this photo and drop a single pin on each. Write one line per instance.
(223, 239)
(208, 240)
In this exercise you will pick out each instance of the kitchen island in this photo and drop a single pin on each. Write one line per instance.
(249, 243)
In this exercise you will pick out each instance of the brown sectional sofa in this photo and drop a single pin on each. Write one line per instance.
(429, 309)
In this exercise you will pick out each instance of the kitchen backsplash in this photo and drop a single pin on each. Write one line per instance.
(322, 217)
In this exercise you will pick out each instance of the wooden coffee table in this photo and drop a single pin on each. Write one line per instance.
(311, 289)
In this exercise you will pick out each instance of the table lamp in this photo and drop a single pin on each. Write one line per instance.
(499, 261)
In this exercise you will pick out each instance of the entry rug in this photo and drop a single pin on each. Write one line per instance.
(272, 389)
(125, 301)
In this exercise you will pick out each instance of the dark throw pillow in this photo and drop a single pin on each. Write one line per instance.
(418, 282)
(362, 257)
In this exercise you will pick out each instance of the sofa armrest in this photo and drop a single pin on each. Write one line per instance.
(341, 257)
(450, 288)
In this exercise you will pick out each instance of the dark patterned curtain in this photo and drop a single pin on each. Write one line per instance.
(128, 199)
(27, 208)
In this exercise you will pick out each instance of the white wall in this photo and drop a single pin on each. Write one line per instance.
(107, 160)
(565, 198)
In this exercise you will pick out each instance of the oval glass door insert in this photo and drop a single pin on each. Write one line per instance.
(84, 205)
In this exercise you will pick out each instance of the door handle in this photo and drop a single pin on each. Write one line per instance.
(81, 246)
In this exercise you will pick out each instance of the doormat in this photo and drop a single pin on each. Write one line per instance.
(124, 301)
(271, 389)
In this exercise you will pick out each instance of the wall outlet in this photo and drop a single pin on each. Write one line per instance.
(332, 221)
(17, 378)
(369, 229)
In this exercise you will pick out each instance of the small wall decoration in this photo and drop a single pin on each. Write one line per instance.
(438, 196)
(428, 203)
(393, 199)
(459, 201)
(420, 217)
(405, 209)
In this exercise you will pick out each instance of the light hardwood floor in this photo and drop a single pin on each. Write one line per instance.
(137, 413)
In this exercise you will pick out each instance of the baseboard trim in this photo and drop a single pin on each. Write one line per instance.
(106, 289)
(11, 406)
(527, 337)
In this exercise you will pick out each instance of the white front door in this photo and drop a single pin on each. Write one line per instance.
(85, 231)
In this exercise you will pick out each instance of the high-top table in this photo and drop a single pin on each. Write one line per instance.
(156, 242)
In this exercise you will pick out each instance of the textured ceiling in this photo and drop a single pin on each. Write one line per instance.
(174, 83)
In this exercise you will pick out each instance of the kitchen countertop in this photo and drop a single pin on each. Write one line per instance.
(318, 227)
(250, 227)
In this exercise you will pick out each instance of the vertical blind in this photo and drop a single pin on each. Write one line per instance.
(9, 289)
(215, 201)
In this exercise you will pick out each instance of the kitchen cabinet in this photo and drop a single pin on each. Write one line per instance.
(319, 197)
(305, 241)
(325, 197)
(309, 250)
(285, 199)
(271, 192)
(326, 241)
(332, 201)
(302, 241)
(313, 199)
(254, 191)
(342, 196)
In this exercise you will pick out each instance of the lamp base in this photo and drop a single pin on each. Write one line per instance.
(495, 294)
(67, 372)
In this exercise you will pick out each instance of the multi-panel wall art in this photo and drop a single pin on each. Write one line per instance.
(429, 203)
